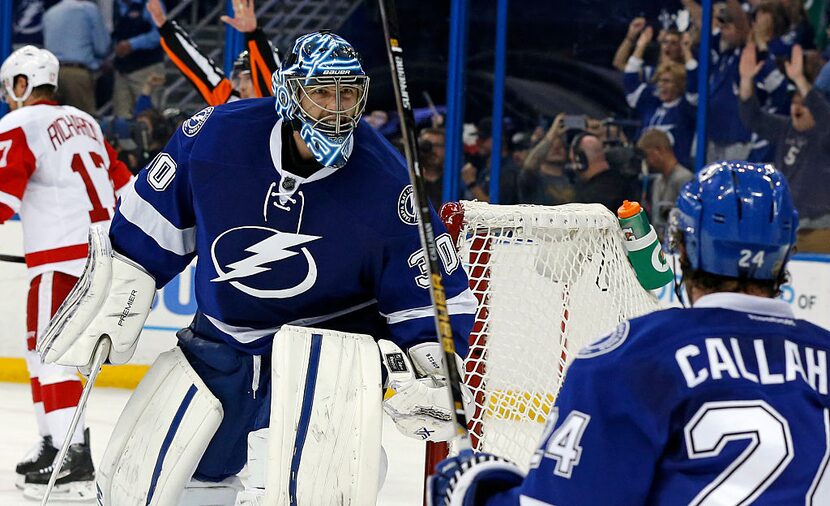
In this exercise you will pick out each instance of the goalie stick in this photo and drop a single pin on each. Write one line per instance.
(394, 50)
(12, 258)
(102, 351)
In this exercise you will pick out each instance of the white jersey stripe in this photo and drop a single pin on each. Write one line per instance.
(463, 303)
(142, 214)
(529, 501)
(10, 200)
(249, 335)
(44, 302)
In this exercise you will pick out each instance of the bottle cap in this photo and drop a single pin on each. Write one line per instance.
(628, 209)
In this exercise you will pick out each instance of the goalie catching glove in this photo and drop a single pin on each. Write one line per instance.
(421, 406)
(111, 300)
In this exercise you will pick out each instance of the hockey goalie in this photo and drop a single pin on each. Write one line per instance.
(299, 215)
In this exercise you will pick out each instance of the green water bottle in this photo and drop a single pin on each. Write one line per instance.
(643, 247)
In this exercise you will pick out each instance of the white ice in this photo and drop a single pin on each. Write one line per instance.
(18, 432)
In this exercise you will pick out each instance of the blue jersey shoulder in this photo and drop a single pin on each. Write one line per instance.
(231, 133)
(378, 173)
(665, 329)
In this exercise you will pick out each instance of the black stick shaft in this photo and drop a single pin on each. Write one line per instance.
(436, 290)
(12, 258)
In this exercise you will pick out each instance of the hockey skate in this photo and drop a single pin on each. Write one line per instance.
(76, 480)
(40, 456)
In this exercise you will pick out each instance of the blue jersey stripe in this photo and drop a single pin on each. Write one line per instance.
(168, 439)
(305, 414)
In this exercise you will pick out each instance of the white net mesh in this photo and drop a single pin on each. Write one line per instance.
(549, 280)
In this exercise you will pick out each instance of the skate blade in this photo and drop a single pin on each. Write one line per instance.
(20, 481)
(79, 491)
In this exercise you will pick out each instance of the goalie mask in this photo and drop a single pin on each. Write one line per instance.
(737, 219)
(321, 89)
(39, 66)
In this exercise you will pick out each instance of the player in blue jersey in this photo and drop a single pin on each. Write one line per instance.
(722, 403)
(301, 215)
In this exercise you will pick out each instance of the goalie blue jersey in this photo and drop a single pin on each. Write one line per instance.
(725, 404)
(339, 249)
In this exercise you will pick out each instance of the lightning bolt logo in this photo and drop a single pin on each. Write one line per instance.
(269, 250)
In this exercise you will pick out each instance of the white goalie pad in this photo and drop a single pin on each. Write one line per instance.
(112, 298)
(325, 429)
(159, 437)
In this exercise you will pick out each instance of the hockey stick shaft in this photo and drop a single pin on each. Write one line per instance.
(12, 258)
(437, 293)
(102, 351)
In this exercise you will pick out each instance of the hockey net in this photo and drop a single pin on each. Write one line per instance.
(549, 280)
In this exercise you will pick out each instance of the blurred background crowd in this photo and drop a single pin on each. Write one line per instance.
(601, 100)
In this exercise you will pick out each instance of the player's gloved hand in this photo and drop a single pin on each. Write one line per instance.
(111, 301)
(421, 407)
(469, 478)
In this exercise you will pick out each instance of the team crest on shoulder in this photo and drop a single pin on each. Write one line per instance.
(406, 206)
(607, 343)
(193, 124)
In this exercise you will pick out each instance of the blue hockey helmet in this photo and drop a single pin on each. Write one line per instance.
(321, 89)
(737, 219)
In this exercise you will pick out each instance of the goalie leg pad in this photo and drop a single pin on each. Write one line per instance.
(159, 437)
(325, 429)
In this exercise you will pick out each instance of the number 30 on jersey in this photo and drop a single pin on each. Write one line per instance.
(447, 254)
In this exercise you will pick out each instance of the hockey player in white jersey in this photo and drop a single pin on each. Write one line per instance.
(722, 403)
(60, 175)
(298, 215)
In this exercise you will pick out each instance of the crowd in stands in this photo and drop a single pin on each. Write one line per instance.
(768, 102)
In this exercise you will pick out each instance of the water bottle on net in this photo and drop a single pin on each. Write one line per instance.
(643, 247)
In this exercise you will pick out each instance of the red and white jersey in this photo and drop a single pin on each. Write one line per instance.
(60, 174)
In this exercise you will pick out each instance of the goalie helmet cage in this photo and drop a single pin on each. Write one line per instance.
(549, 280)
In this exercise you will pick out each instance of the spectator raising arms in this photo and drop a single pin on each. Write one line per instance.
(768, 27)
(670, 41)
(635, 28)
(669, 103)
(731, 139)
(802, 143)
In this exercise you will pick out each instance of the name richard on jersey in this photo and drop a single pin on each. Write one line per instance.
(723, 358)
(68, 126)
(262, 265)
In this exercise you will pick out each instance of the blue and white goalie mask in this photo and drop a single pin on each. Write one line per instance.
(321, 89)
